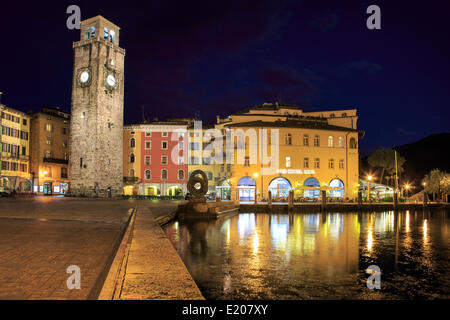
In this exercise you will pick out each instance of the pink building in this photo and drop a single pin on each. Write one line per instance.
(163, 158)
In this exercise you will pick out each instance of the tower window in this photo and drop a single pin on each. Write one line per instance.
(112, 35)
(92, 32)
(106, 34)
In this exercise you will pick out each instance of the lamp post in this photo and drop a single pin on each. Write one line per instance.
(255, 175)
(368, 187)
(407, 186)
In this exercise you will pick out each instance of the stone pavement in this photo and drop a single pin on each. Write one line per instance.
(61, 208)
(151, 268)
(40, 237)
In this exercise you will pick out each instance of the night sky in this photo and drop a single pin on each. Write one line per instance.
(218, 57)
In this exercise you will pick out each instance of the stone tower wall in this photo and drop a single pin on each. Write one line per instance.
(97, 137)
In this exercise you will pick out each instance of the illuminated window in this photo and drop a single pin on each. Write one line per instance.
(340, 142)
(49, 127)
(48, 141)
(180, 160)
(288, 162)
(330, 141)
(112, 36)
(106, 34)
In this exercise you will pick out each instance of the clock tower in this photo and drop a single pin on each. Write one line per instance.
(96, 125)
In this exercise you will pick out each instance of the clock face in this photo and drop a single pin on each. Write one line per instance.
(84, 77)
(111, 80)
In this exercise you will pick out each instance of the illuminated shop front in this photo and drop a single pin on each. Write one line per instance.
(246, 189)
(280, 187)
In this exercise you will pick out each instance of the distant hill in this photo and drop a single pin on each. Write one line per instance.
(429, 153)
(425, 155)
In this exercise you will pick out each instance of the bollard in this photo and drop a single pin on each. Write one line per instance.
(270, 201)
(324, 200)
(291, 200)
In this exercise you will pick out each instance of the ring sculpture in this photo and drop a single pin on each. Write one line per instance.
(194, 179)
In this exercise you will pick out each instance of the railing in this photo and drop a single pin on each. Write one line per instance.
(130, 179)
(9, 155)
(142, 197)
(56, 160)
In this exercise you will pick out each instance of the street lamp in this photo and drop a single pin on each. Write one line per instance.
(368, 187)
(255, 175)
(407, 186)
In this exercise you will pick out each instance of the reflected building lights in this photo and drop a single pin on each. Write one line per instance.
(425, 229)
(255, 243)
(369, 239)
(407, 221)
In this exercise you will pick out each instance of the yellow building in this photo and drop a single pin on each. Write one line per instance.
(131, 159)
(14, 150)
(313, 151)
(218, 174)
(50, 151)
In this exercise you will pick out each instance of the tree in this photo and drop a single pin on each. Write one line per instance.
(437, 182)
(384, 159)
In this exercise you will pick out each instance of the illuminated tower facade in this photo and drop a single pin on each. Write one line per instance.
(96, 135)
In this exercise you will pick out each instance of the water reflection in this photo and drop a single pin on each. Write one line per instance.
(316, 256)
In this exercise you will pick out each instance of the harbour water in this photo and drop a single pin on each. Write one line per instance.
(317, 255)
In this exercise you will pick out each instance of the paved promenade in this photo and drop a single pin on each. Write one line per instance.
(151, 267)
(40, 237)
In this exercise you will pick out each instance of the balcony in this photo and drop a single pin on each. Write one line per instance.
(130, 180)
(9, 155)
(56, 160)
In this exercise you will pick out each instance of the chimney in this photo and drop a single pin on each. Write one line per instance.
(218, 119)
